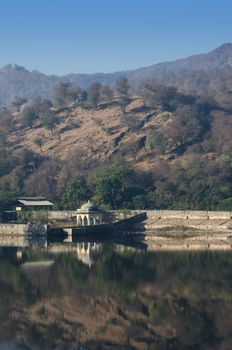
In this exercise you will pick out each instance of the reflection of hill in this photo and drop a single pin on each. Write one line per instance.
(168, 300)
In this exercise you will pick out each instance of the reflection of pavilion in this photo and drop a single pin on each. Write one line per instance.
(89, 215)
(87, 252)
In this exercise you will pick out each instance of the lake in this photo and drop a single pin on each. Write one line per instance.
(113, 295)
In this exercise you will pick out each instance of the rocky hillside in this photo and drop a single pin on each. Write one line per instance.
(17, 81)
(142, 135)
(163, 150)
(95, 136)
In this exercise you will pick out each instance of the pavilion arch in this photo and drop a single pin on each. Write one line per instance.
(97, 220)
(79, 221)
(85, 221)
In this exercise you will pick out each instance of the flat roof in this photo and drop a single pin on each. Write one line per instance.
(32, 198)
(35, 202)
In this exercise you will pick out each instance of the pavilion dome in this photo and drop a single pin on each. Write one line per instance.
(89, 207)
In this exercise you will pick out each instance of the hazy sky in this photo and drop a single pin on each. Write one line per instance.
(86, 36)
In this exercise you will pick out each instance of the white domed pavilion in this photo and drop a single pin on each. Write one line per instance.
(89, 215)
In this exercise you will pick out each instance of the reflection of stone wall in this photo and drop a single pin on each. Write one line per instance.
(13, 229)
(13, 241)
(22, 229)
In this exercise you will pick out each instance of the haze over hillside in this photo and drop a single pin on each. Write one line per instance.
(212, 67)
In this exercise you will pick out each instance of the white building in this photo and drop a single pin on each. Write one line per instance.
(89, 215)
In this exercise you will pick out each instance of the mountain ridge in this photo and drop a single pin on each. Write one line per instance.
(16, 80)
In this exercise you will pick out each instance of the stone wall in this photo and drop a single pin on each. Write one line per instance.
(108, 216)
(64, 215)
(202, 220)
(188, 214)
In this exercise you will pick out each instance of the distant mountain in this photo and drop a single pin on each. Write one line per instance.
(218, 58)
(18, 81)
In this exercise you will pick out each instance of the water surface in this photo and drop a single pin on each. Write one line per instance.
(113, 295)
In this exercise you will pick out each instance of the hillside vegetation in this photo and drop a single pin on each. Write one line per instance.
(161, 149)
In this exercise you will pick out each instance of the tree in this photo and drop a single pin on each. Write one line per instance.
(7, 162)
(7, 198)
(44, 180)
(83, 96)
(49, 120)
(28, 161)
(156, 95)
(29, 116)
(76, 192)
(17, 102)
(106, 93)
(65, 93)
(39, 141)
(186, 128)
(94, 93)
(40, 105)
(122, 88)
(6, 119)
(3, 140)
(61, 93)
(111, 187)
(74, 93)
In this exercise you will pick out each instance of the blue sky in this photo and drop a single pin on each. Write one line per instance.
(86, 36)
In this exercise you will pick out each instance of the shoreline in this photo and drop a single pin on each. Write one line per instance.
(188, 240)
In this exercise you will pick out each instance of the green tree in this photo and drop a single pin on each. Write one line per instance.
(111, 185)
(122, 88)
(76, 192)
(7, 199)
